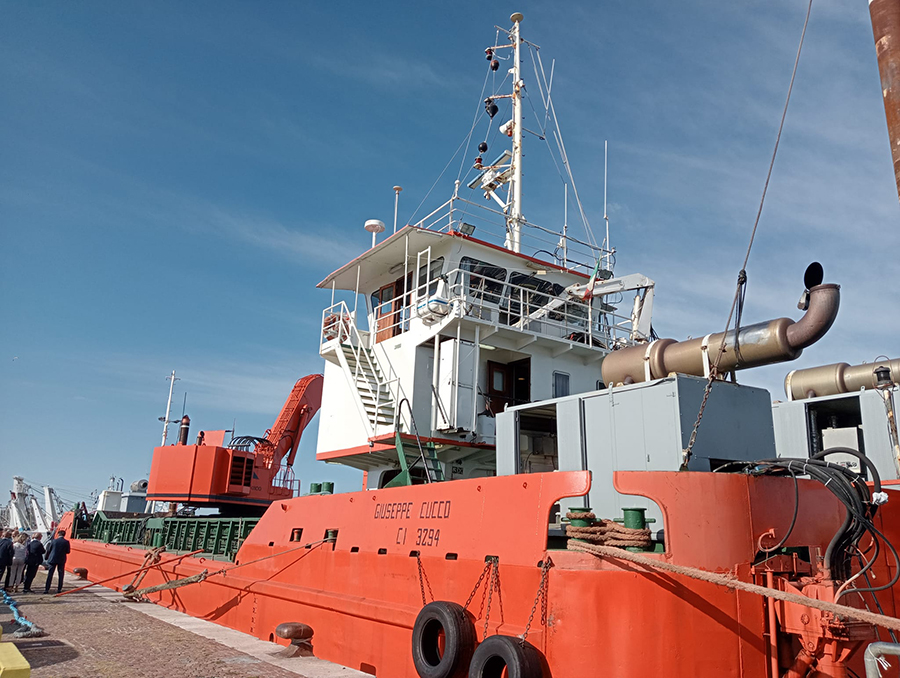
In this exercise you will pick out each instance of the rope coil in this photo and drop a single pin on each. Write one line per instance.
(606, 532)
(27, 629)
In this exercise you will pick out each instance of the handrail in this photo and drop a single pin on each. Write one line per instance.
(578, 254)
(516, 306)
(345, 328)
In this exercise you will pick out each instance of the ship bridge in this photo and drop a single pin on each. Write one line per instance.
(444, 327)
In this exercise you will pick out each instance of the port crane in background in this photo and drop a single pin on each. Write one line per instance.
(25, 513)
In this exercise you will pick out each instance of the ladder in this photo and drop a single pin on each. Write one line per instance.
(434, 471)
(366, 379)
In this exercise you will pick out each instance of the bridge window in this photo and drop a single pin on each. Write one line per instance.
(481, 280)
(429, 275)
(533, 293)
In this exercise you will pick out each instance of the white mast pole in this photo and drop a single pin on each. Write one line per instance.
(565, 245)
(165, 434)
(397, 190)
(605, 215)
(515, 206)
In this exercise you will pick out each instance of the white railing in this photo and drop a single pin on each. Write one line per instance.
(339, 326)
(459, 214)
(539, 306)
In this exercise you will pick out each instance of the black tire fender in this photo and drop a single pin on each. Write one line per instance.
(499, 652)
(459, 640)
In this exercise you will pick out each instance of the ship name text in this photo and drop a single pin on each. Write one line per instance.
(428, 510)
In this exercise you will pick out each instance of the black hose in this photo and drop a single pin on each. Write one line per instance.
(848, 487)
(793, 519)
(869, 464)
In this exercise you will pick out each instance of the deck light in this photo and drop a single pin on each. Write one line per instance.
(466, 229)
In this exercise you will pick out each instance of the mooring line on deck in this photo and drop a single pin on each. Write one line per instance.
(727, 581)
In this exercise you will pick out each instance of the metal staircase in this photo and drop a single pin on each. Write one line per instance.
(365, 375)
(376, 393)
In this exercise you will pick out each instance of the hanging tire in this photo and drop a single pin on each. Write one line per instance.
(443, 641)
(504, 652)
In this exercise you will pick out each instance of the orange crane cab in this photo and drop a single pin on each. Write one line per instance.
(248, 474)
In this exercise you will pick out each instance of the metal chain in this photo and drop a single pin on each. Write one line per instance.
(423, 580)
(487, 566)
(686, 452)
(542, 597)
(495, 576)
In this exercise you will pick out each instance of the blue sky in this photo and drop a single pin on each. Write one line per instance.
(175, 178)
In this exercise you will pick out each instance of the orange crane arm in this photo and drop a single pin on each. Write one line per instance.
(299, 409)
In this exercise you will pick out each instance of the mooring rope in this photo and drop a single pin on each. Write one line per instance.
(203, 576)
(606, 532)
(27, 628)
(226, 570)
(174, 584)
(730, 582)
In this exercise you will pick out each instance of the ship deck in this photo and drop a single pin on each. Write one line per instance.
(98, 633)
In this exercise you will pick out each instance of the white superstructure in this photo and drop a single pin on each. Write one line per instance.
(471, 310)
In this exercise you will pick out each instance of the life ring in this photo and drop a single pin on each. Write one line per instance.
(332, 326)
(521, 659)
(443, 641)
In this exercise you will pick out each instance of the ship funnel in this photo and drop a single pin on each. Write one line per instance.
(840, 378)
(765, 343)
(184, 430)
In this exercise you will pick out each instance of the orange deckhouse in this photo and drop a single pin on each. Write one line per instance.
(538, 499)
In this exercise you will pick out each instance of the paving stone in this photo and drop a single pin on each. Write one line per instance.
(94, 636)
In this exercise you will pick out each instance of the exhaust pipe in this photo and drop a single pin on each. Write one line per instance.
(838, 378)
(765, 343)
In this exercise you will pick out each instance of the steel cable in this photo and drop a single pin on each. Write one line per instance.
(737, 294)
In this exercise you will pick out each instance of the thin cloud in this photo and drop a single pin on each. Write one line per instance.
(382, 70)
(318, 244)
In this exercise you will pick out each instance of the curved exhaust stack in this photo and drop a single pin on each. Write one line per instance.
(761, 344)
(838, 378)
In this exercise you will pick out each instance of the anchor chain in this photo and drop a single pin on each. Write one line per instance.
(495, 577)
(487, 566)
(542, 597)
(423, 580)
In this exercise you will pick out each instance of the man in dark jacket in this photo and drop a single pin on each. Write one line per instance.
(34, 556)
(57, 551)
(6, 553)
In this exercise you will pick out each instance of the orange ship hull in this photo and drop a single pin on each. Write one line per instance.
(397, 549)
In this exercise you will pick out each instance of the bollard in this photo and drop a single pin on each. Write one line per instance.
(300, 636)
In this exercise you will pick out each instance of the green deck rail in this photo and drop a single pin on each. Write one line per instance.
(215, 536)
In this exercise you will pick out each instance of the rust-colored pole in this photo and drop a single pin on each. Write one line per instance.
(773, 629)
(125, 574)
(886, 29)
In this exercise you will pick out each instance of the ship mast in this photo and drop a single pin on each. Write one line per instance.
(165, 420)
(514, 211)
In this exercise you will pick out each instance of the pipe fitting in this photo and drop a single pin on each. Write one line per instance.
(873, 652)
(824, 302)
(764, 343)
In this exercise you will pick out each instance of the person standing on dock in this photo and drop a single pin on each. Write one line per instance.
(34, 556)
(57, 551)
(17, 570)
(6, 553)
